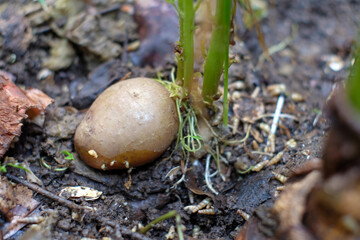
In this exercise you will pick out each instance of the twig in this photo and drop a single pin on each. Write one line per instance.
(48, 194)
(111, 9)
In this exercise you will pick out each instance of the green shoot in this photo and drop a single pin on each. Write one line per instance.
(179, 227)
(316, 111)
(226, 83)
(168, 215)
(17, 165)
(353, 83)
(219, 45)
(59, 168)
(180, 57)
(235, 142)
(68, 155)
(190, 106)
(187, 137)
(246, 171)
(14, 165)
(188, 43)
(192, 141)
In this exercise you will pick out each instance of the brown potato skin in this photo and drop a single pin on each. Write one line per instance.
(134, 120)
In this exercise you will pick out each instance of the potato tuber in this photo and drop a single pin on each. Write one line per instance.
(130, 124)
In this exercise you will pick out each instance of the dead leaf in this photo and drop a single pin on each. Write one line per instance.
(191, 182)
(291, 206)
(42, 230)
(89, 194)
(332, 210)
(16, 202)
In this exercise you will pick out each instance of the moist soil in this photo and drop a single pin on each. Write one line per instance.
(314, 41)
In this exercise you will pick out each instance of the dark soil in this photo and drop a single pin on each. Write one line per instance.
(320, 30)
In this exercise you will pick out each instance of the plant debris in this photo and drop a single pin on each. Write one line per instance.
(16, 203)
(87, 193)
(17, 105)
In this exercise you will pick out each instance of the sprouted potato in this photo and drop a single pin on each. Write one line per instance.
(130, 124)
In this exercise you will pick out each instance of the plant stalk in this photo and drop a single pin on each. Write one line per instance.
(226, 84)
(157, 220)
(188, 43)
(353, 83)
(180, 57)
(217, 50)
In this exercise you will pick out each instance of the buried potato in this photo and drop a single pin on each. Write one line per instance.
(130, 124)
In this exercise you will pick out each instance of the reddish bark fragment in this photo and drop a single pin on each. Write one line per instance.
(16, 105)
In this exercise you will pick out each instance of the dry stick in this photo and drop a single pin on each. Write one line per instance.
(48, 194)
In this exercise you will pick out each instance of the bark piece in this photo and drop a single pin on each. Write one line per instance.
(16, 105)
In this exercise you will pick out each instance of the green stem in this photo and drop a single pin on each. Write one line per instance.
(188, 43)
(226, 82)
(217, 50)
(178, 226)
(159, 219)
(180, 57)
(197, 5)
(353, 83)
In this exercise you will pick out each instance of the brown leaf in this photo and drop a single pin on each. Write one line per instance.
(191, 182)
(39, 101)
(291, 206)
(250, 231)
(333, 208)
(16, 202)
